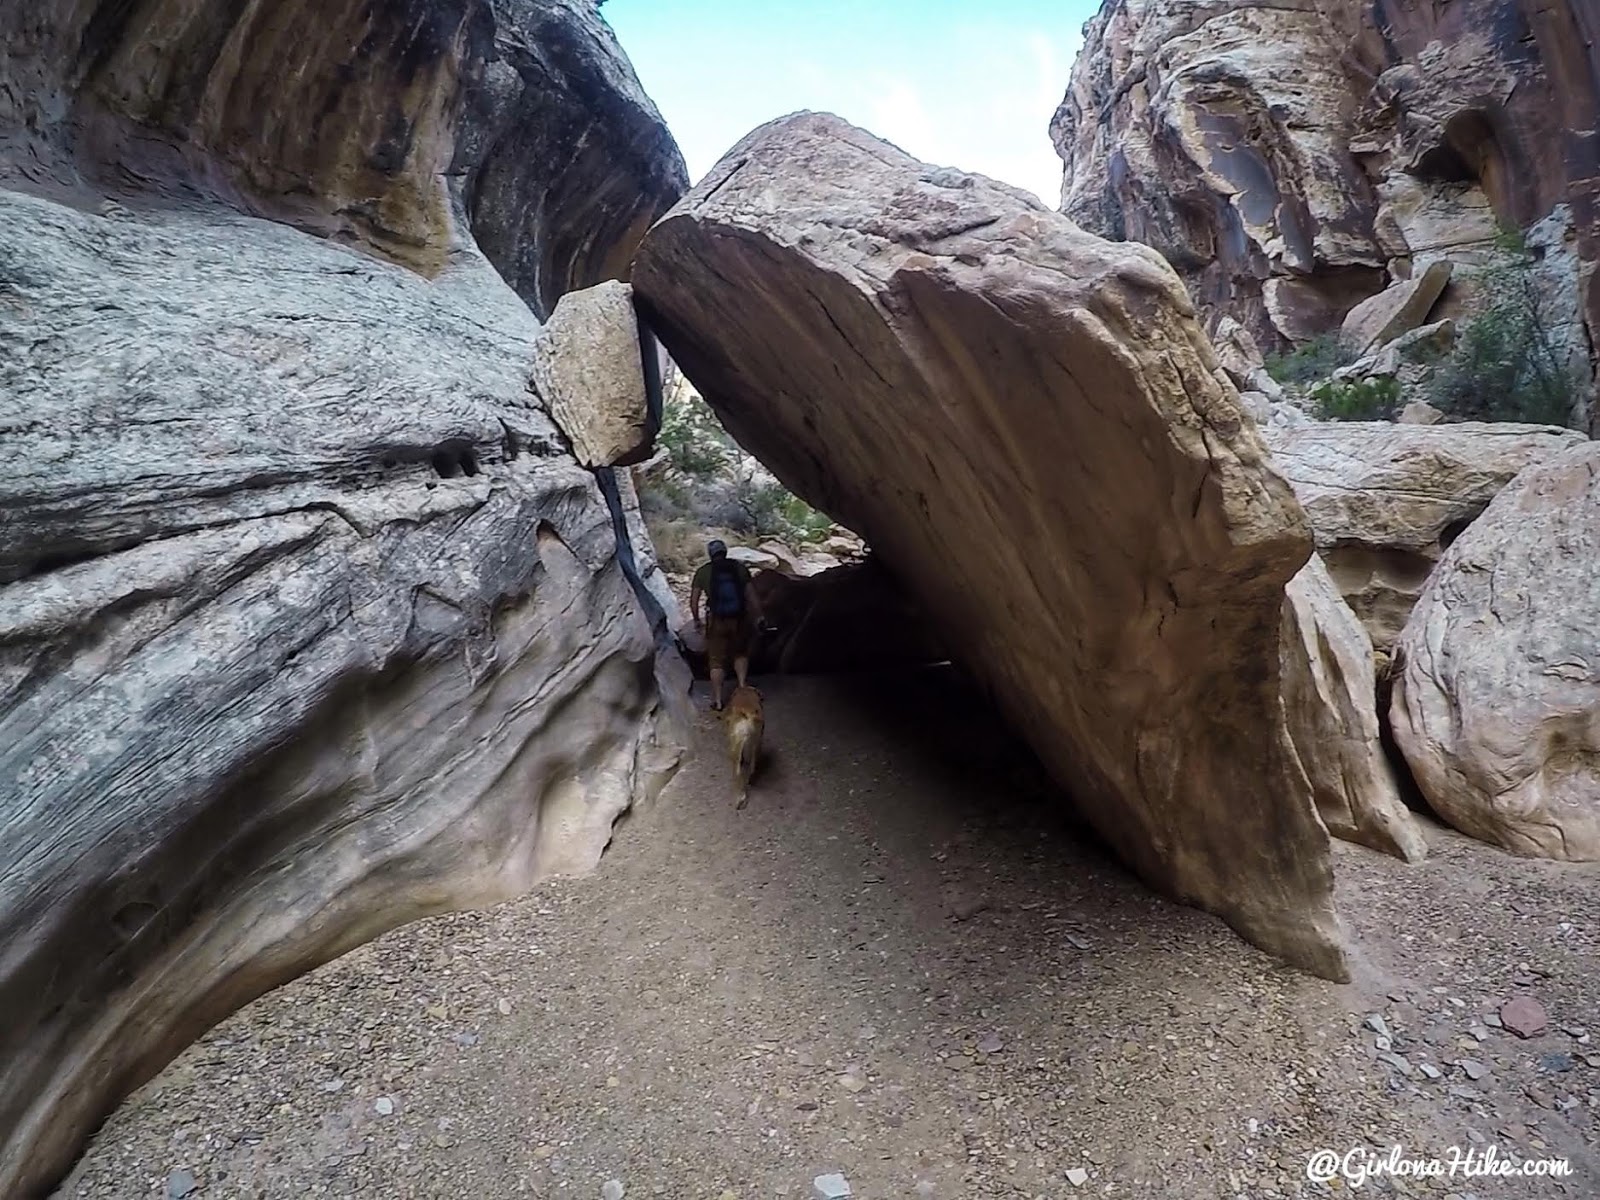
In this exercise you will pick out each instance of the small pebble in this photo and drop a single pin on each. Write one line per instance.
(1523, 1016)
(180, 1184)
(1077, 1176)
(1397, 1061)
(830, 1187)
(384, 1106)
(611, 1189)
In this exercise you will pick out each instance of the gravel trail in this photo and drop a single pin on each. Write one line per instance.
(904, 963)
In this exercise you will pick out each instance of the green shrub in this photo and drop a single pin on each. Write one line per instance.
(695, 441)
(1507, 364)
(801, 523)
(708, 484)
(775, 512)
(1373, 399)
(1317, 359)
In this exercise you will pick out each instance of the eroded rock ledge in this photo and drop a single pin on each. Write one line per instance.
(402, 126)
(1027, 424)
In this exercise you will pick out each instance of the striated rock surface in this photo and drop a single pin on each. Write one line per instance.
(1496, 700)
(1217, 133)
(1329, 701)
(1292, 159)
(309, 622)
(592, 367)
(1385, 500)
(1027, 424)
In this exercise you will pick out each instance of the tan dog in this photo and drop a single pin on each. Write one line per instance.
(744, 722)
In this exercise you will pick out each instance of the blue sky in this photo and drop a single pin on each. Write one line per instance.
(962, 83)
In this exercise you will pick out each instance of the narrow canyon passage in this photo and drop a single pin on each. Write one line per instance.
(334, 395)
(902, 962)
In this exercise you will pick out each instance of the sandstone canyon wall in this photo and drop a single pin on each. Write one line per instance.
(1291, 159)
(1030, 428)
(310, 621)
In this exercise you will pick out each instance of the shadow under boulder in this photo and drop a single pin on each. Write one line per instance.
(845, 619)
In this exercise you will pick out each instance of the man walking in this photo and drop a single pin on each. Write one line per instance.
(730, 625)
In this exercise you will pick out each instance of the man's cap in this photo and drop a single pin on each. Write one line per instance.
(715, 547)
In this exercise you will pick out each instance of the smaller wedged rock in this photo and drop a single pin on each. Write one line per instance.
(1398, 309)
(590, 364)
(1496, 702)
(1330, 708)
(1384, 500)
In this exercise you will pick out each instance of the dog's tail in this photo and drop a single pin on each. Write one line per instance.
(748, 739)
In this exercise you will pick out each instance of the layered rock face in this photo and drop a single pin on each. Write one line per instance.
(1203, 130)
(310, 623)
(1029, 426)
(1290, 159)
(1497, 688)
(1385, 500)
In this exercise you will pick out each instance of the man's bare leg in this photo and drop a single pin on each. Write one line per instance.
(717, 675)
(741, 669)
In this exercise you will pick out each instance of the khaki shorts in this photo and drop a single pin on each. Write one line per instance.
(727, 638)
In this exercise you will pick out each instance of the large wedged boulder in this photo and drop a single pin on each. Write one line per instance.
(1496, 700)
(1330, 705)
(1384, 500)
(1025, 422)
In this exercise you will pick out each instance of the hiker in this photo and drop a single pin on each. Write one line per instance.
(733, 616)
